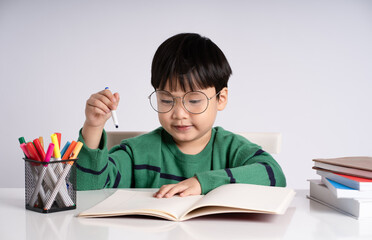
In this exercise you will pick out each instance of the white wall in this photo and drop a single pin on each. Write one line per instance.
(302, 68)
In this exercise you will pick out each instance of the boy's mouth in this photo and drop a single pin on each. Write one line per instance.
(182, 127)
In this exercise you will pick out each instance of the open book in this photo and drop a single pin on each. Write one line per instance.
(229, 198)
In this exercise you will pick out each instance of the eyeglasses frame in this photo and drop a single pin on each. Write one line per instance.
(183, 100)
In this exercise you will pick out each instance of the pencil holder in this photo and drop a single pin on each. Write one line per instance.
(50, 186)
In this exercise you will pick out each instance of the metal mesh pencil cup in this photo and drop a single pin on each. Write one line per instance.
(50, 186)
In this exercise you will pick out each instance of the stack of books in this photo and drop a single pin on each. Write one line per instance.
(345, 185)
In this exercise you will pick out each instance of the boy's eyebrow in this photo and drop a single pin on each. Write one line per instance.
(179, 93)
(182, 93)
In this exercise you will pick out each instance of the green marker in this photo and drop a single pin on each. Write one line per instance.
(21, 140)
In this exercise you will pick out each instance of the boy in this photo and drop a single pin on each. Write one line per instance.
(186, 155)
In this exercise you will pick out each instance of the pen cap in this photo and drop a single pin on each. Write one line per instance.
(25, 151)
(32, 151)
(76, 151)
(59, 136)
(49, 152)
(41, 139)
(39, 149)
(56, 151)
(63, 151)
(21, 140)
(69, 151)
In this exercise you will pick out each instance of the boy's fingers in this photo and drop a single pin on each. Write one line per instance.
(107, 93)
(163, 190)
(97, 105)
(176, 189)
(187, 192)
(117, 97)
(96, 110)
(106, 100)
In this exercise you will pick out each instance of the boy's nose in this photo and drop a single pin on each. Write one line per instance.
(179, 110)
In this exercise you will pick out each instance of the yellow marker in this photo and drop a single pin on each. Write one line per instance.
(56, 151)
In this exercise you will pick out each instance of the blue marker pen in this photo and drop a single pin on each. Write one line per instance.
(114, 116)
(65, 148)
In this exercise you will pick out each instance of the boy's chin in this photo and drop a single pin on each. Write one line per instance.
(178, 137)
(182, 137)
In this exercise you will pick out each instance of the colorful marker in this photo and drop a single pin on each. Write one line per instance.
(66, 170)
(63, 198)
(59, 136)
(114, 116)
(41, 176)
(65, 148)
(21, 140)
(59, 171)
(41, 139)
(76, 150)
(32, 151)
(39, 148)
(25, 151)
(56, 152)
(54, 174)
(69, 151)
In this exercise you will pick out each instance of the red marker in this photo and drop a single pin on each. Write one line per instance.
(59, 139)
(32, 151)
(39, 148)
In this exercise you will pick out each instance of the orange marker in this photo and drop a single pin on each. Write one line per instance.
(76, 150)
(41, 140)
(69, 151)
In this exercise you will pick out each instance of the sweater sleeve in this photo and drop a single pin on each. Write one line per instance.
(100, 168)
(247, 163)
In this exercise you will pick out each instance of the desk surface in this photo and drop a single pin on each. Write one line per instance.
(304, 219)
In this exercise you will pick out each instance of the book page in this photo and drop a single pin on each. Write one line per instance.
(243, 197)
(129, 202)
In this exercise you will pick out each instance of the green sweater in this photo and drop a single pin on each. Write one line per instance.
(153, 159)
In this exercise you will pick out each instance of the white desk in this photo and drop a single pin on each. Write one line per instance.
(305, 219)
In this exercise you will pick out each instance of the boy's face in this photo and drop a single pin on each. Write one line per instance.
(192, 129)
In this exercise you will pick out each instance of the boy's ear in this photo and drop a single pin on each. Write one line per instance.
(222, 99)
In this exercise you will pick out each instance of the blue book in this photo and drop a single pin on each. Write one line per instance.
(342, 191)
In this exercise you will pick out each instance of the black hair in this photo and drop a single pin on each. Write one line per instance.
(190, 60)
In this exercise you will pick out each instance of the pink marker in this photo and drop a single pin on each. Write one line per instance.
(24, 149)
(49, 153)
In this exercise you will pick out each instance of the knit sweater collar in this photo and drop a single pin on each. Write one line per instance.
(204, 154)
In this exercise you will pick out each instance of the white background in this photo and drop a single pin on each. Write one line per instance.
(302, 68)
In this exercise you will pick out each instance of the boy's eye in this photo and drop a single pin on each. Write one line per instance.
(194, 101)
(166, 102)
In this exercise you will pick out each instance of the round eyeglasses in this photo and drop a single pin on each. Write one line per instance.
(195, 102)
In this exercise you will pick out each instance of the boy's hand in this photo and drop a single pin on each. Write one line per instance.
(98, 108)
(185, 188)
(97, 112)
